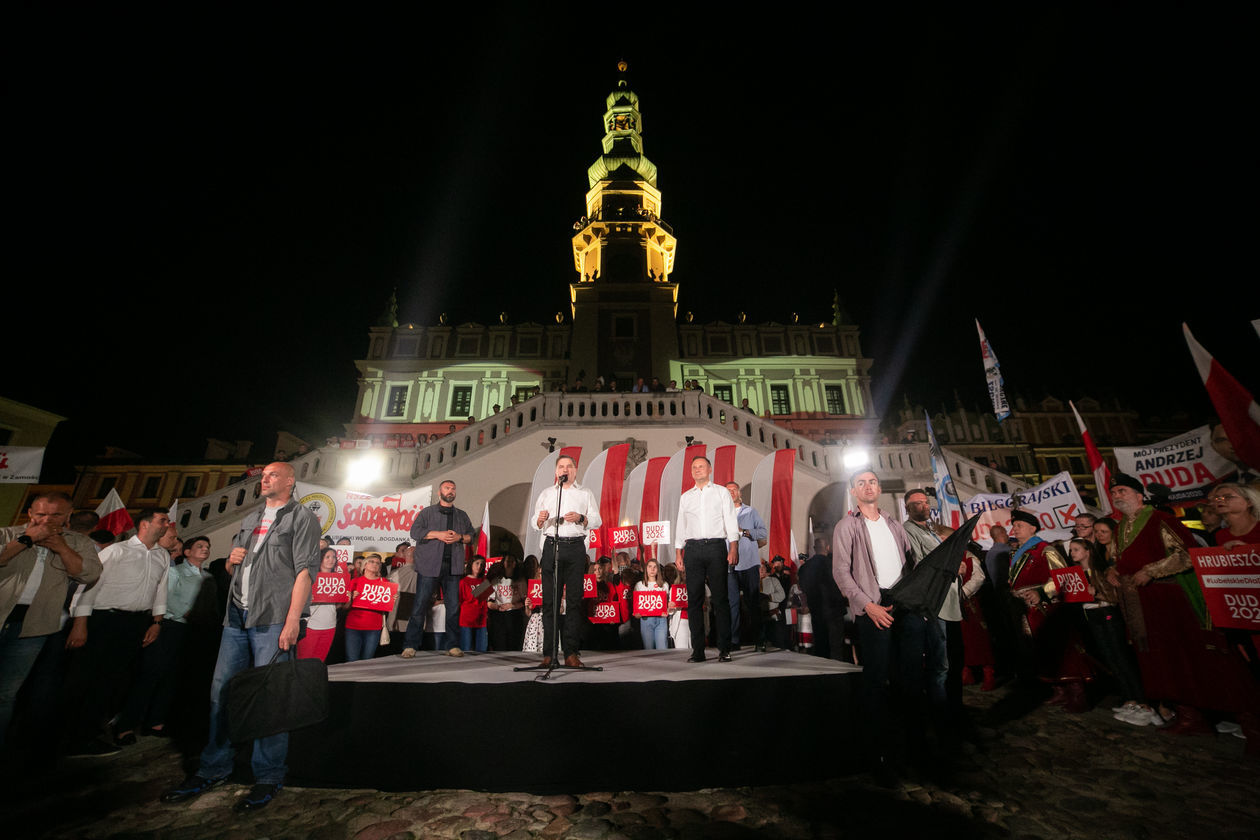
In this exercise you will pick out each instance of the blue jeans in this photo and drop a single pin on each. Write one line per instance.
(361, 644)
(653, 629)
(469, 636)
(17, 657)
(426, 587)
(242, 648)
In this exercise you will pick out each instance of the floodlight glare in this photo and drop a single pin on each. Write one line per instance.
(855, 458)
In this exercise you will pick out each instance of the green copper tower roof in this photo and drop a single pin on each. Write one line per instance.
(623, 157)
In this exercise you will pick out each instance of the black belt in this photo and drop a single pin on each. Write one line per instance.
(122, 612)
(710, 541)
(568, 539)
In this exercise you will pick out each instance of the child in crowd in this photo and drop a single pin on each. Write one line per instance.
(474, 591)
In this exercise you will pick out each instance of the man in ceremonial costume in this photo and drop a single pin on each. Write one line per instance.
(1182, 660)
(1051, 651)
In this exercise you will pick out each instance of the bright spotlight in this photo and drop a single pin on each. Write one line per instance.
(363, 471)
(855, 458)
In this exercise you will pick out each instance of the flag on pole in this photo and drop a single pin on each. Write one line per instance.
(947, 504)
(483, 536)
(1102, 474)
(993, 377)
(1237, 408)
(113, 514)
(173, 513)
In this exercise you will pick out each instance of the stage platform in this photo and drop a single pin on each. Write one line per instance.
(649, 721)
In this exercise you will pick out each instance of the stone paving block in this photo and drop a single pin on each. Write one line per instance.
(589, 830)
(382, 830)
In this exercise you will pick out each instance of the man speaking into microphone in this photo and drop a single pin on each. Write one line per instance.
(565, 513)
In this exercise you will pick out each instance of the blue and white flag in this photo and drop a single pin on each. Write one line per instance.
(993, 377)
(947, 504)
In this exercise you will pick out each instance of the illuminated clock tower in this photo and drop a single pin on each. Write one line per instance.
(624, 305)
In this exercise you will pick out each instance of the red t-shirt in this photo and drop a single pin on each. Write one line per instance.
(358, 619)
(1252, 537)
(472, 608)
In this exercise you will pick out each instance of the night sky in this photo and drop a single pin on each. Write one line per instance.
(207, 211)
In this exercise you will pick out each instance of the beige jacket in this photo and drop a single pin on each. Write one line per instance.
(44, 614)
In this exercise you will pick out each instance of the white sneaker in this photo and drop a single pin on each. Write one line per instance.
(455, 652)
(1126, 709)
(1228, 727)
(409, 653)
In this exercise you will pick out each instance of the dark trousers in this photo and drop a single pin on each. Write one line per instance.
(706, 560)
(103, 666)
(149, 699)
(572, 565)
(747, 583)
(426, 591)
(506, 629)
(1106, 625)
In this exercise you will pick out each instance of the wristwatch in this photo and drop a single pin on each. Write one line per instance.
(25, 540)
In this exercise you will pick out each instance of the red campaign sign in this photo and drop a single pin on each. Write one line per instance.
(1072, 584)
(535, 592)
(490, 564)
(649, 602)
(376, 595)
(679, 594)
(623, 537)
(588, 587)
(605, 612)
(592, 539)
(345, 557)
(1230, 579)
(330, 588)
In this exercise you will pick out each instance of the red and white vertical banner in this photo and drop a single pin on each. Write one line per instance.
(723, 464)
(641, 501)
(1239, 413)
(544, 477)
(772, 497)
(606, 478)
(1102, 475)
(113, 514)
(483, 536)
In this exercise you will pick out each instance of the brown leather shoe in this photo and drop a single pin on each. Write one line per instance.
(546, 663)
(572, 661)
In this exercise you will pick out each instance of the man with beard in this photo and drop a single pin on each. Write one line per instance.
(441, 531)
(1181, 660)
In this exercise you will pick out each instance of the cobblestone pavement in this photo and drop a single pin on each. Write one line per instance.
(1048, 775)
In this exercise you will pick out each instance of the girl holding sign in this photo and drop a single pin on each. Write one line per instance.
(363, 626)
(651, 615)
(473, 593)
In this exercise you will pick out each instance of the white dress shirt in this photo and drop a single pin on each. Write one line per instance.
(706, 513)
(133, 578)
(575, 499)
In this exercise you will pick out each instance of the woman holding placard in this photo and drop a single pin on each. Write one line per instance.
(322, 625)
(650, 609)
(363, 626)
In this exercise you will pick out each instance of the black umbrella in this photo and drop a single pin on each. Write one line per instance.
(922, 590)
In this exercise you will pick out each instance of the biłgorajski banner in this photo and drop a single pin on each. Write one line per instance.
(1055, 503)
(371, 522)
(1187, 464)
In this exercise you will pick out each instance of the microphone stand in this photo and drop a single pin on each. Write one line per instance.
(554, 653)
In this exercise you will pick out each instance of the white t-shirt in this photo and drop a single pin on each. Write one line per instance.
(264, 525)
(888, 558)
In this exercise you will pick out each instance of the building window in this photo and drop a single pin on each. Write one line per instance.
(396, 404)
(719, 345)
(461, 401)
(524, 392)
(825, 345)
(468, 345)
(835, 400)
(1012, 465)
(108, 483)
(1078, 466)
(527, 345)
(779, 401)
(190, 487)
(407, 345)
(723, 393)
(1052, 464)
(151, 486)
(772, 345)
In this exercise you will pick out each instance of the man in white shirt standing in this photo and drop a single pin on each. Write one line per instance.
(706, 543)
(869, 553)
(564, 553)
(113, 620)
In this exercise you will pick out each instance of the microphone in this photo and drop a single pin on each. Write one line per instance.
(563, 479)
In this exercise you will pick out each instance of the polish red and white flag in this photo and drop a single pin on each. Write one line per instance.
(1102, 474)
(113, 514)
(1237, 408)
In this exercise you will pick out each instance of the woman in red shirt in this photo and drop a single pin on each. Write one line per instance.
(363, 626)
